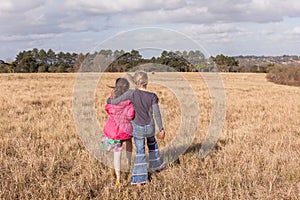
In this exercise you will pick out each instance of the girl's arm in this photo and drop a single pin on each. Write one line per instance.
(126, 96)
(157, 116)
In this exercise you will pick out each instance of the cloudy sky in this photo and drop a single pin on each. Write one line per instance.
(235, 27)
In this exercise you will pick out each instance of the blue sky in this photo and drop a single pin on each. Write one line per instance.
(244, 27)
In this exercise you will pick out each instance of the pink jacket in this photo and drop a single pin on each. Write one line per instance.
(118, 125)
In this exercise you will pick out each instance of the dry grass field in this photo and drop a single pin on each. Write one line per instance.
(257, 156)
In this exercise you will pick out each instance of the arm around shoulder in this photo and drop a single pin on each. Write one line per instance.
(126, 96)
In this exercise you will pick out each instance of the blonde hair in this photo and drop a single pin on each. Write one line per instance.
(140, 79)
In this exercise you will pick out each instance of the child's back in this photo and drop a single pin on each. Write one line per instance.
(118, 125)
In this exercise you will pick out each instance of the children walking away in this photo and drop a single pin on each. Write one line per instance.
(145, 104)
(118, 128)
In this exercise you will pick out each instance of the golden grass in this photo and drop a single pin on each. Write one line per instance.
(257, 156)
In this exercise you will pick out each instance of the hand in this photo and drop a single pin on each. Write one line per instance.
(162, 134)
(112, 93)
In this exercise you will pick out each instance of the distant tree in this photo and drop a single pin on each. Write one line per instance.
(68, 60)
(42, 68)
(24, 62)
(135, 55)
(78, 61)
(106, 53)
(287, 75)
(179, 53)
(35, 56)
(174, 60)
(4, 67)
(42, 55)
(60, 59)
(225, 63)
(185, 54)
(61, 69)
(51, 57)
(52, 69)
(125, 61)
(118, 53)
(196, 59)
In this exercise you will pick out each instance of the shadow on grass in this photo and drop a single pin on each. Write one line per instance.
(170, 155)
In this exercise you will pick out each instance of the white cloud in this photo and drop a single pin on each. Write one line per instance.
(78, 15)
(292, 35)
(214, 33)
(294, 31)
(28, 37)
(207, 12)
(6, 6)
(74, 26)
(212, 21)
(180, 15)
(10, 6)
(121, 6)
(213, 28)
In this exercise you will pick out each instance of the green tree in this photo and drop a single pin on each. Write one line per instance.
(106, 53)
(51, 57)
(68, 60)
(135, 57)
(42, 68)
(61, 69)
(225, 63)
(35, 56)
(195, 58)
(61, 59)
(52, 69)
(174, 60)
(118, 53)
(24, 62)
(42, 55)
(185, 54)
(4, 67)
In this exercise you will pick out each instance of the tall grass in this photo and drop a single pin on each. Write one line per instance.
(257, 156)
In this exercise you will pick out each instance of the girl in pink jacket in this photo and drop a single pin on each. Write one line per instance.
(118, 128)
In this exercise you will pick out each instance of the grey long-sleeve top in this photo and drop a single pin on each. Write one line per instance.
(145, 104)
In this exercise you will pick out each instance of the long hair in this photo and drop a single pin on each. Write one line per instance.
(121, 86)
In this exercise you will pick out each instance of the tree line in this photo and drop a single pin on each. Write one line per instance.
(42, 61)
(35, 60)
(284, 75)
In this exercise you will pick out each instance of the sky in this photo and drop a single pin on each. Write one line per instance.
(235, 27)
